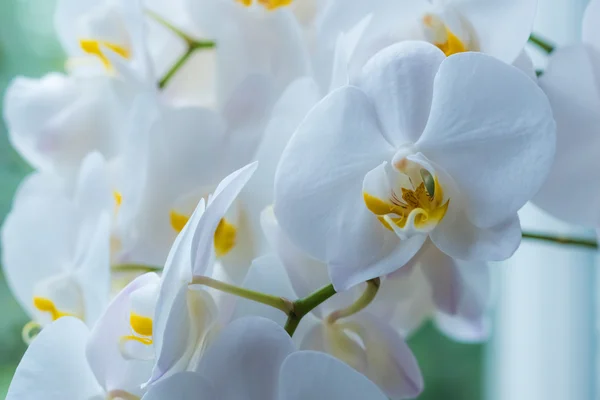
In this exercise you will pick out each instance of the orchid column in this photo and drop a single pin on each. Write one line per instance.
(544, 342)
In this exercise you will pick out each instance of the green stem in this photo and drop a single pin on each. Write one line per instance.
(182, 60)
(192, 46)
(188, 39)
(280, 303)
(541, 43)
(589, 243)
(367, 297)
(135, 268)
(303, 306)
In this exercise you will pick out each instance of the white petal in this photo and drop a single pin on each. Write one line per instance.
(502, 27)
(459, 288)
(306, 274)
(591, 23)
(191, 315)
(337, 341)
(464, 330)
(571, 84)
(50, 363)
(245, 359)
(37, 237)
(322, 169)
(176, 277)
(93, 192)
(459, 238)
(72, 118)
(494, 137)
(221, 200)
(93, 269)
(182, 386)
(399, 80)
(110, 368)
(391, 363)
(287, 114)
(312, 375)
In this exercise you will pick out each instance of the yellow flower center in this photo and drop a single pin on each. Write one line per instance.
(95, 48)
(46, 305)
(225, 234)
(441, 36)
(118, 198)
(268, 4)
(411, 200)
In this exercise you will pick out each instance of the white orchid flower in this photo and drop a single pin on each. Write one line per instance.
(184, 315)
(256, 40)
(165, 173)
(497, 27)
(570, 81)
(74, 116)
(366, 340)
(56, 245)
(418, 146)
(255, 359)
(55, 366)
(120, 347)
(91, 30)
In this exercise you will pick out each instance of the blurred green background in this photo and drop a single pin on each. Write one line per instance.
(28, 47)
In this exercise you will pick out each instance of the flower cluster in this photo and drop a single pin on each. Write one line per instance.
(237, 199)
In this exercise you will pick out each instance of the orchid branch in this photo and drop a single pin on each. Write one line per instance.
(588, 243)
(541, 43)
(192, 46)
(280, 303)
(305, 305)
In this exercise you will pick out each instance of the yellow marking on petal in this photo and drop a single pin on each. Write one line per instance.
(140, 324)
(94, 47)
(178, 220)
(46, 305)
(118, 198)
(225, 236)
(443, 38)
(143, 340)
(453, 44)
(268, 4)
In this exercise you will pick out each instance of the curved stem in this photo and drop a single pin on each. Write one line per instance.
(136, 268)
(541, 43)
(588, 243)
(303, 306)
(367, 297)
(280, 303)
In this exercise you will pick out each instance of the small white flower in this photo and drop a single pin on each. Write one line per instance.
(369, 340)
(55, 121)
(56, 244)
(94, 32)
(498, 28)
(571, 83)
(418, 146)
(120, 346)
(184, 315)
(255, 359)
